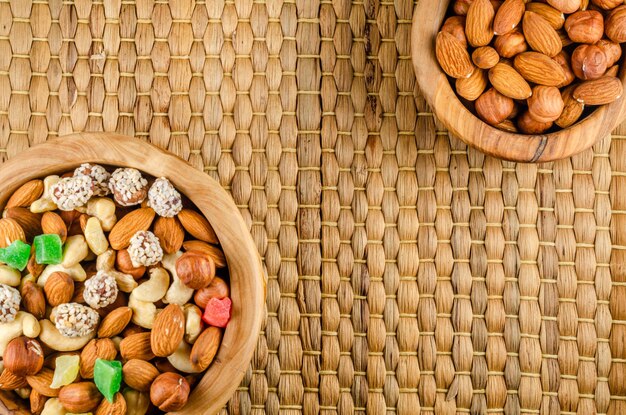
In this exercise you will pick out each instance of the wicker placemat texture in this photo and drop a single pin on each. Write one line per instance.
(406, 271)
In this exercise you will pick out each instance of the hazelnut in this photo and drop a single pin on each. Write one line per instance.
(528, 125)
(586, 26)
(461, 6)
(546, 104)
(612, 51)
(589, 62)
(455, 25)
(563, 60)
(169, 392)
(80, 397)
(566, 6)
(607, 4)
(124, 264)
(23, 356)
(615, 25)
(510, 44)
(216, 289)
(195, 269)
(493, 107)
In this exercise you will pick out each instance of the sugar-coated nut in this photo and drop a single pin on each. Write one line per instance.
(94, 235)
(195, 269)
(76, 320)
(169, 392)
(71, 192)
(23, 356)
(9, 303)
(128, 186)
(145, 249)
(589, 62)
(585, 26)
(164, 198)
(100, 290)
(99, 177)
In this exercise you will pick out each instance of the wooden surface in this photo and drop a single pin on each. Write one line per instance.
(436, 88)
(247, 279)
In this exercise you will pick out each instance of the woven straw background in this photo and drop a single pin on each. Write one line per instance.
(406, 271)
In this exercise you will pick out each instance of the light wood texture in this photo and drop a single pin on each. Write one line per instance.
(434, 85)
(248, 282)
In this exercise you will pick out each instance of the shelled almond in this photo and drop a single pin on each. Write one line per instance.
(121, 300)
(531, 66)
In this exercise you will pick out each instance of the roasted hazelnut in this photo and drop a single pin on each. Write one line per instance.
(615, 25)
(23, 356)
(124, 264)
(612, 51)
(589, 62)
(455, 25)
(566, 6)
(169, 392)
(461, 6)
(510, 44)
(563, 59)
(586, 26)
(545, 105)
(607, 4)
(528, 125)
(195, 269)
(493, 107)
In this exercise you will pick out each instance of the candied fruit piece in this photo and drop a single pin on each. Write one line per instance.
(107, 375)
(66, 370)
(16, 255)
(217, 312)
(48, 248)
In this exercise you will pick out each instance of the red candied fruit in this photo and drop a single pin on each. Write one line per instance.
(217, 312)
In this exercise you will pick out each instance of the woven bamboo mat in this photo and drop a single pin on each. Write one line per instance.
(406, 271)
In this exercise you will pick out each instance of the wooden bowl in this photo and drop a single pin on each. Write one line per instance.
(435, 86)
(247, 279)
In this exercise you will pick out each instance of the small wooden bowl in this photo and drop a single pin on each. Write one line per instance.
(247, 279)
(435, 86)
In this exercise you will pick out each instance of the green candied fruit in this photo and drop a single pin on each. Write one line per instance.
(48, 248)
(16, 255)
(107, 374)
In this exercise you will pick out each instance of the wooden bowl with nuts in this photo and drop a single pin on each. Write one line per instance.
(129, 282)
(525, 81)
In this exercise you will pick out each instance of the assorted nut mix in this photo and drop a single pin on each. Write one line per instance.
(530, 66)
(113, 294)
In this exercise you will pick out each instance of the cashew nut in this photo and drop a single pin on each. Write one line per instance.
(95, 237)
(27, 278)
(74, 250)
(56, 341)
(137, 403)
(24, 323)
(23, 393)
(45, 203)
(116, 341)
(104, 209)
(53, 407)
(193, 322)
(106, 262)
(155, 288)
(178, 293)
(9, 276)
(180, 359)
(144, 312)
(76, 272)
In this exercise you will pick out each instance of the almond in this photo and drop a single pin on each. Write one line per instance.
(80, 397)
(509, 82)
(572, 109)
(53, 223)
(33, 299)
(599, 91)
(452, 57)
(168, 330)
(117, 407)
(115, 322)
(33, 267)
(137, 346)
(540, 35)
(546, 104)
(539, 69)
(566, 6)
(485, 57)
(125, 228)
(211, 250)
(479, 23)
(554, 17)
(508, 16)
(59, 288)
(37, 402)
(26, 194)
(612, 71)
(10, 231)
(171, 234)
(29, 221)
(9, 381)
(41, 383)
(95, 349)
(205, 348)
(198, 226)
(139, 374)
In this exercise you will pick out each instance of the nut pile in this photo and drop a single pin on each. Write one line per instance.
(528, 66)
(114, 294)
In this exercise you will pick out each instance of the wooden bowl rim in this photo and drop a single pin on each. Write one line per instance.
(248, 280)
(435, 86)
